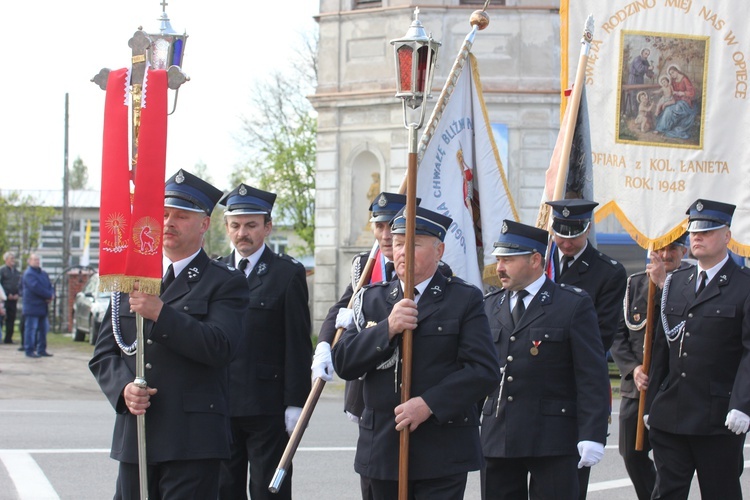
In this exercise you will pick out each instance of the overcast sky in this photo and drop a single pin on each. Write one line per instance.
(53, 47)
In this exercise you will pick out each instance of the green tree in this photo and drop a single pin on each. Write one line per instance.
(280, 138)
(21, 221)
(79, 175)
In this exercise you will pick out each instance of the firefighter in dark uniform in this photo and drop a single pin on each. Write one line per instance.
(548, 417)
(627, 351)
(269, 378)
(576, 262)
(698, 398)
(383, 208)
(454, 368)
(192, 332)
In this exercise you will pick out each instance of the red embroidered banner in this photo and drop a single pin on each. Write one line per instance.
(130, 248)
(114, 208)
(144, 254)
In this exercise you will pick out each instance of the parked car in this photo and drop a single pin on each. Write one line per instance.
(88, 310)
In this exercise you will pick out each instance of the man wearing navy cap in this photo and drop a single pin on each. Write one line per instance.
(549, 415)
(192, 332)
(698, 398)
(269, 378)
(627, 351)
(454, 367)
(576, 262)
(382, 208)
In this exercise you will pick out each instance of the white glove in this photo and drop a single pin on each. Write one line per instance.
(737, 421)
(645, 422)
(322, 366)
(591, 452)
(354, 418)
(291, 415)
(345, 318)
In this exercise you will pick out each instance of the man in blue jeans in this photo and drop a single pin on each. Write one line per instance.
(37, 294)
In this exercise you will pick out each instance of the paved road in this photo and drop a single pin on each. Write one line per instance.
(55, 432)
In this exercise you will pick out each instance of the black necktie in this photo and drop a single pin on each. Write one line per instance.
(519, 308)
(389, 268)
(565, 264)
(243, 265)
(702, 282)
(168, 278)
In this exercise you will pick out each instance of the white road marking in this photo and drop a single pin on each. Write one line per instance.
(27, 476)
(32, 484)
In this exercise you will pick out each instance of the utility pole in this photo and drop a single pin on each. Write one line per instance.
(66, 221)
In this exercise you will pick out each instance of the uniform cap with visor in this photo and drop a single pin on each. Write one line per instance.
(571, 218)
(428, 223)
(707, 215)
(247, 200)
(520, 239)
(188, 192)
(386, 205)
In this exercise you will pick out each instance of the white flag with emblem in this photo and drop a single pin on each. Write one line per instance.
(460, 175)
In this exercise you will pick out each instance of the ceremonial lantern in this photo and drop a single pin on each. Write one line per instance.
(415, 56)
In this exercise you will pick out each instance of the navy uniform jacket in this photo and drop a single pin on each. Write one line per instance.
(187, 354)
(552, 400)
(353, 401)
(328, 328)
(604, 279)
(454, 368)
(271, 369)
(627, 349)
(698, 378)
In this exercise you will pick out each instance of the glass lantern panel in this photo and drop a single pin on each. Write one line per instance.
(160, 54)
(178, 47)
(404, 68)
(422, 56)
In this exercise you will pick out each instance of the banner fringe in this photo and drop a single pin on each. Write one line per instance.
(126, 284)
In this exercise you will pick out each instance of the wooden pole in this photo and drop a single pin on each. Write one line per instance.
(407, 337)
(569, 127)
(647, 344)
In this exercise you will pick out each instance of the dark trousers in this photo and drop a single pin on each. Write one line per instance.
(638, 464)
(176, 480)
(258, 441)
(10, 319)
(718, 460)
(366, 487)
(583, 481)
(551, 478)
(439, 488)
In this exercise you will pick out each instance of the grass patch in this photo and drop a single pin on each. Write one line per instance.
(57, 340)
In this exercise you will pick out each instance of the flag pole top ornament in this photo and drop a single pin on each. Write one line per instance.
(480, 18)
(588, 30)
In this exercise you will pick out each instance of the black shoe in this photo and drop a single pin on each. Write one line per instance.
(21, 348)
(32, 355)
(9, 342)
(44, 355)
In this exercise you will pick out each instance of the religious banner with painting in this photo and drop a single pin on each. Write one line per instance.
(668, 80)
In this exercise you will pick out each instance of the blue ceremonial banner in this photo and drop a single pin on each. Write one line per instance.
(669, 82)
